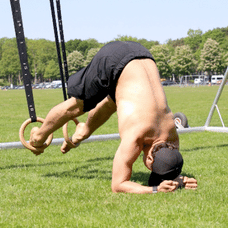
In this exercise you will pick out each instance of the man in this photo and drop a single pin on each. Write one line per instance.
(123, 77)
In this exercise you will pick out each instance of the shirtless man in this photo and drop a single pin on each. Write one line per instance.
(123, 77)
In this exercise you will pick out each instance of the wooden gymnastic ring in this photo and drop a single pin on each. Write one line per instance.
(29, 146)
(66, 137)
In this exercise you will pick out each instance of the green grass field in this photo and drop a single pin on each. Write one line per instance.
(74, 190)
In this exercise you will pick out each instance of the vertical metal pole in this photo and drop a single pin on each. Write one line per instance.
(216, 99)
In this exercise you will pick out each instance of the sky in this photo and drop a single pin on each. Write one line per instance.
(105, 20)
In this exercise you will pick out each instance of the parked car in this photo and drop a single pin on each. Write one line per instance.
(216, 79)
(168, 83)
(198, 81)
(201, 80)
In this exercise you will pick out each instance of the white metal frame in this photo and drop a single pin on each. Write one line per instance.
(214, 106)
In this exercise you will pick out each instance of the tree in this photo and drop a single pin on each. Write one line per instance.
(162, 57)
(91, 53)
(194, 39)
(2, 41)
(10, 64)
(211, 58)
(175, 43)
(216, 34)
(183, 62)
(224, 44)
(52, 70)
(225, 60)
(40, 53)
(126, 38)
(85, 45)
(75, 62)
(148, 44)
(72, 45)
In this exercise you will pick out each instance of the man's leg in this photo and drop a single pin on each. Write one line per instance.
(96, 117)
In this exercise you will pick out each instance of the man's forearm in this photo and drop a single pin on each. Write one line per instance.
(132, 187)
(58, 116)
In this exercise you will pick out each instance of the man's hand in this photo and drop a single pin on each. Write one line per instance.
(168, 186)
(190, 183)
(35, 142)
(81, 133)
(186, 182)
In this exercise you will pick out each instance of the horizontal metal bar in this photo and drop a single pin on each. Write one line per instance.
(93, 138)
(97, 138)
(217, 129)
(190, 129)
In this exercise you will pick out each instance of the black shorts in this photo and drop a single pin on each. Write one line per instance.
(98, 80)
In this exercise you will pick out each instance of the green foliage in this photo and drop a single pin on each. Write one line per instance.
(225, 59)
(126, 38)
(161, 54)
(75, 62)
(9, 63)
(85, 45)
(42, 53)
(2, 41)
(211, 57)
(91, 53)
(147, 44)
(52, 70)
(194, 39)
(183, 62)
(82, 46)
(224, 44)
(72, 45)
(175, 43)
(216, 34)
(2, 82)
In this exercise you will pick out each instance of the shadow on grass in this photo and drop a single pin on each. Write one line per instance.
(140, 177)
(203, 147)
(83, 172)
(21, 166)
(99, 168)
(96, 168)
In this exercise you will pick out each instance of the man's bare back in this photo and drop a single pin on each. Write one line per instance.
(141, 104)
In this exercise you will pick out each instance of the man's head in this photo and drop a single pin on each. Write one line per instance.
(166, 165)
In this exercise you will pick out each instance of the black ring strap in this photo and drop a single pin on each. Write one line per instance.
(18, 25)
(62, 44)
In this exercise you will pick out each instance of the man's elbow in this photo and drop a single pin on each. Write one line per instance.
(115, 188)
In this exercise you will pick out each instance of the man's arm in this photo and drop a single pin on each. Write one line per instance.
(55, 119)
(126, 155)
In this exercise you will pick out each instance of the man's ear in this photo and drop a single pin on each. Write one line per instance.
(150, 158)
(148, 161)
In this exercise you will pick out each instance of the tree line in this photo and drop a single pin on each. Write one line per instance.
(197, 53)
